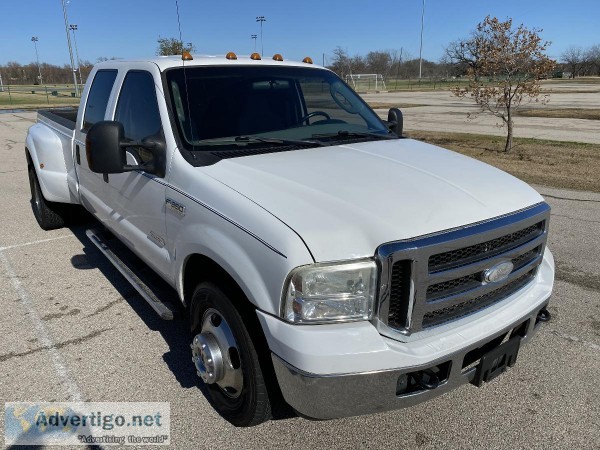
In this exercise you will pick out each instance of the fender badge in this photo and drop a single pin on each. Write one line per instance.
(175, 207)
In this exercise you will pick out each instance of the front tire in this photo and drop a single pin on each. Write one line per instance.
(226, 359)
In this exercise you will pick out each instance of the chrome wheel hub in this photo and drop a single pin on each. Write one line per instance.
(216, 355)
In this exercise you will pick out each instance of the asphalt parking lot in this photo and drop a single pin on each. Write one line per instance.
(73, 329)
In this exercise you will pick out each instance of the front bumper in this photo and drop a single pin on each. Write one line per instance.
(339, 370)
(344, 395)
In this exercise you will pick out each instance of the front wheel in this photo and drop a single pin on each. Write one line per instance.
(226, 360)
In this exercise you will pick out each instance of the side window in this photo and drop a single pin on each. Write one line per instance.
(137, 110)
(95, 108)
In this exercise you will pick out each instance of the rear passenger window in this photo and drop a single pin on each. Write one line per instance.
(137, 110)
(97, 100)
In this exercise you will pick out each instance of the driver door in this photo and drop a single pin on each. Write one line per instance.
(138, 197)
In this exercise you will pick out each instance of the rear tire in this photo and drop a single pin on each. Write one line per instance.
(49, 215)
(250, 406)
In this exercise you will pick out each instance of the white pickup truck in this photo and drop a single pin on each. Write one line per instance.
(321, 257)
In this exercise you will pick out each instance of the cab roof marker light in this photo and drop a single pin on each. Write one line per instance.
(255, 56)
(186, 56)
(307, 60)
(277, 57)
(231, 56)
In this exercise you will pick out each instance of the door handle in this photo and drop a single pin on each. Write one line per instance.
(77, 157)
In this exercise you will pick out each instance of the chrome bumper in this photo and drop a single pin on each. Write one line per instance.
(335, 396)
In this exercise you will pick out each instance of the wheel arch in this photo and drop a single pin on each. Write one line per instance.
(199, 268)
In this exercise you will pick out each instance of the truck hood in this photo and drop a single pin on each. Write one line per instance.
(345, 201)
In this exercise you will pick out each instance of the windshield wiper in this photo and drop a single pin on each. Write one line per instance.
(342, 134)
(276, 141)
(245, 140)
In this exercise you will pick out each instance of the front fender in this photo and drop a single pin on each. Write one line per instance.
(258, 270)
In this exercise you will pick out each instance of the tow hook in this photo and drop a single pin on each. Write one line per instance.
(426, 379)
(544, 315)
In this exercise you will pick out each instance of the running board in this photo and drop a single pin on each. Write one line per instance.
(141, 277)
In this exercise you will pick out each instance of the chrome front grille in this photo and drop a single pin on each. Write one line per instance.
(436, 279)
(483, 250)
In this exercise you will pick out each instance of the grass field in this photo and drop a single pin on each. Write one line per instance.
(33, 97)
(569, 165)
(561, 113)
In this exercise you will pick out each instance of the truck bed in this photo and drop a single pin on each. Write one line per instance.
(62, 116)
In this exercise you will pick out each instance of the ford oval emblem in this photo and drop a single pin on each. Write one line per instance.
(499, 272)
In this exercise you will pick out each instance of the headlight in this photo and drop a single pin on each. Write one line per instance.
(332, 292)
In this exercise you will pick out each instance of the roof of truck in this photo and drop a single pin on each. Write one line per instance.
(167, 62)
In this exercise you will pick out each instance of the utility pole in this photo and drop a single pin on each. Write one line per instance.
(1, 85)
(421, 47)
(398, 67)
(253, 36)
(35, 39)
(261, 19)
(64, 5)
(73, 28)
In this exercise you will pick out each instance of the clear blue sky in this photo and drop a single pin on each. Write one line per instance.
(130, 28)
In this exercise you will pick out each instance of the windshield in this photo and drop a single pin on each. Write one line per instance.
(217, 107)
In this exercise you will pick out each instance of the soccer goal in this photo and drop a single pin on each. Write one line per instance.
(366, 81)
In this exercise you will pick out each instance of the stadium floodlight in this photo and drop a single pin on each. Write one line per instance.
(35, 40)
(64, 6)
(73, 28)
(261, 19)
(421, 46)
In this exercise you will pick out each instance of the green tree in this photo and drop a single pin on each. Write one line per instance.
(510, 64)
(172, 46)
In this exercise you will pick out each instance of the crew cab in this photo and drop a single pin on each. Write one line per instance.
(320, 256)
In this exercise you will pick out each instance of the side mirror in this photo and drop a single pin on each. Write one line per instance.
(103, 148)
(395, 121)
(106, 150)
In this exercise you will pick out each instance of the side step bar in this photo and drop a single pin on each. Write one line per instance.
(139, 277)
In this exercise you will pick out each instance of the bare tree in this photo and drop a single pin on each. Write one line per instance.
(463, 54)
(379, 61)
(340, 62)
(172, 46)
(592, 58)
(514, 60)
(574, 58)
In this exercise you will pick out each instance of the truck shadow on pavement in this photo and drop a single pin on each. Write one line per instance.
(174, 332)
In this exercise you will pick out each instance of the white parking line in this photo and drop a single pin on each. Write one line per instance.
(42, 333)
(41, 241)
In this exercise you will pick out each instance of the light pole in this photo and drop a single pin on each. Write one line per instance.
(261, 19)
(64, 6)
(253, 36)
(421, 47)
(73, 28)
(35, 39)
